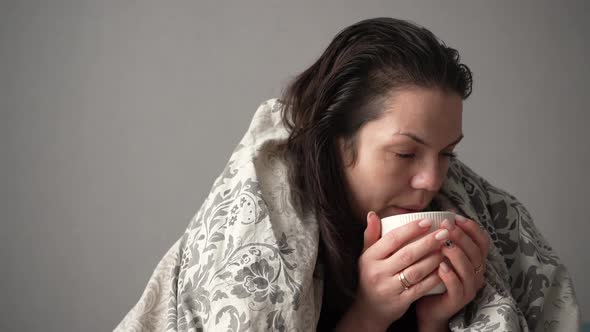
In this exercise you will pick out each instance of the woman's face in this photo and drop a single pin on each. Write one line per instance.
(403, 157)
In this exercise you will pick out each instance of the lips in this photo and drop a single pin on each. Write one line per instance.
(395, 210)
(411, 208)
(405, 210)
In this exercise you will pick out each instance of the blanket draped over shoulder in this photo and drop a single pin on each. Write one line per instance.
(247, 262)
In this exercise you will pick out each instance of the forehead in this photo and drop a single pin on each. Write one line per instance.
(430, 113)
(426, 102)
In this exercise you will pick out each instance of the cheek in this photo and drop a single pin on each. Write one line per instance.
(385, 177)
(394, 170)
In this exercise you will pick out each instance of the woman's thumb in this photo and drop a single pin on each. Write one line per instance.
(373, 230)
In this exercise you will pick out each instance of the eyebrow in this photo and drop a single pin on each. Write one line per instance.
(421, 141)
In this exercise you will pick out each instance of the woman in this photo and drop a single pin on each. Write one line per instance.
(383, 104)
(289, 237)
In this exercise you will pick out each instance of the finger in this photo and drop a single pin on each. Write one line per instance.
(474, 231)
(455, 211)
(480, 279)
(460, 238)
(413, 252)
(421, 269)
(395, 239)
(455, 289)
(373, 230)
(461, 264)
(480, 276)
(420, 289)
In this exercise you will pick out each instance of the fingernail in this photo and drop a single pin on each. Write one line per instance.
(425, 223)
(460, 218)
(444, 267)
(449, 243)
(442, 235)
(370, 215)
(448, 224)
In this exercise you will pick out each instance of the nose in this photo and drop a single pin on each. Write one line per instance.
(429, 177)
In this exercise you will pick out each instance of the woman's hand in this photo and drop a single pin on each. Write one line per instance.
(466, 250)
(381, 297)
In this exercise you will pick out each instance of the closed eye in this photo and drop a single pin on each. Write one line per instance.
(450, 155)
(405, 155)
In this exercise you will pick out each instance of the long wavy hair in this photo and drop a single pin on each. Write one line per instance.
(343, 90)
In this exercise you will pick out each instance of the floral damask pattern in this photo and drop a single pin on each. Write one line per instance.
(257, 279)
(248, 262)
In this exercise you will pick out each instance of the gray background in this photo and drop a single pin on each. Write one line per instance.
(116, 117)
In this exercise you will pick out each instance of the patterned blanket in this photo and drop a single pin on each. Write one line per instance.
(247, 262)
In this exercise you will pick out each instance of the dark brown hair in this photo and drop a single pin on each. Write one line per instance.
(333, 99)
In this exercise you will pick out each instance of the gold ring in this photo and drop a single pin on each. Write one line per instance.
(479, 268)
(404, 281)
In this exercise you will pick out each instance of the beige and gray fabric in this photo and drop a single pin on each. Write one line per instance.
(248, 262)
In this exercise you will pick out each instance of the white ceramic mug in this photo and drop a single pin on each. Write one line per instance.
(390, 223)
